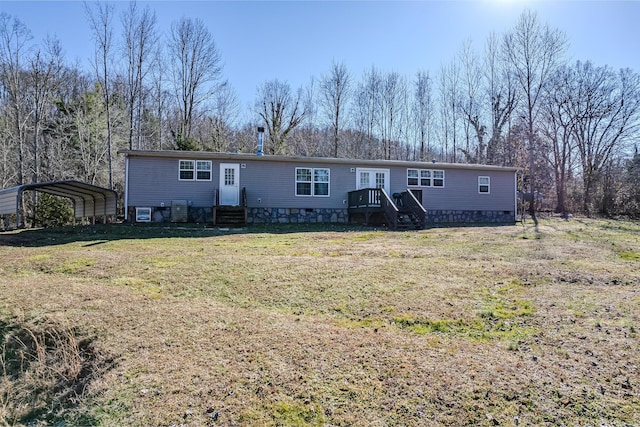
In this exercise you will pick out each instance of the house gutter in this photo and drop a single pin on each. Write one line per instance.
(234, 157)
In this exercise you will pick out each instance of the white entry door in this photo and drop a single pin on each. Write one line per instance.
(372, 178)
(229, 184)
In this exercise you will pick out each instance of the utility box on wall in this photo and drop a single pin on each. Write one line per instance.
(179, 210)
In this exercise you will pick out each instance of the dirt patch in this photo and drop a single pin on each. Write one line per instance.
(45, 371)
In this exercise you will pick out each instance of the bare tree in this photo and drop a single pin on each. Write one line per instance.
(196, 68)
(101, 24)
(335, 89)
(366, 113)
(45, 75)
(139, 42)
(534, 51)
(281, 111)
(392, 111)
(502, 97)
(606, 107)
(557, 127)
(423, 112)
(225, 110)
(160, 97)
(449, 90)
(470, 105)
(14, 39)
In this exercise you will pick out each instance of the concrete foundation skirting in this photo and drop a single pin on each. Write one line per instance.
(323, 215)
(436, 217)
(296, 215)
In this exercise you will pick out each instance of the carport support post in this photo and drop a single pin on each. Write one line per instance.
(19, 209)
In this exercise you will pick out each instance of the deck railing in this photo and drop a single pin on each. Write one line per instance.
(365, 198)
(375, 199)
(389, 209)
(414, 206)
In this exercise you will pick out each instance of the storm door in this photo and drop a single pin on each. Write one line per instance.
(229, 184)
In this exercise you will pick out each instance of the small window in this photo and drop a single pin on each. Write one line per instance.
(484, 184)
(312, 182)
(187, 168)
(203, 170)
(303, 182)
(198, 170)
(425, 178)
(143, 214)
(412, 177)
(321, 182)
(438, 178)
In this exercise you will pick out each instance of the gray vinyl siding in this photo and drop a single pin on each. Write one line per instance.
(270, 183)
(153, 181)
(460, 192)
(274, 184)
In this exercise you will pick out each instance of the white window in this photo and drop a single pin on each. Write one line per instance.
(198, 170)
(143, 214)
(425, 178)
(312, 182)
(203, 170)
(412, 177)
(484, 184)
(438, 178)
(187, 168)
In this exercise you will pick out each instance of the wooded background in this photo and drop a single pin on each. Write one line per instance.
(515, 101)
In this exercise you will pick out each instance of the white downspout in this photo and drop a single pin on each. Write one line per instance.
(126, 188)
(515, 196)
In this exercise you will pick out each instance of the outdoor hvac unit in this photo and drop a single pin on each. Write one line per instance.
(179, 210)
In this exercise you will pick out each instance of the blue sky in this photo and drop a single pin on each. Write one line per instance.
(293, 41)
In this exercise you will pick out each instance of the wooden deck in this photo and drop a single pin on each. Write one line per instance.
(373, 206)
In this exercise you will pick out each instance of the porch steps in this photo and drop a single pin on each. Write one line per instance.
(230, 216)
(407, 220)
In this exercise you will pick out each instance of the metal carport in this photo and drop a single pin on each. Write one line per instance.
(88, 200)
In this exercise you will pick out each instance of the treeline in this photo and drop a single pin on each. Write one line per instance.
(573, 128)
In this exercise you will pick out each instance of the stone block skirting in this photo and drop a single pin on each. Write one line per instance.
(195, 214)
(300, 215)
(469, 217)
(296, 215)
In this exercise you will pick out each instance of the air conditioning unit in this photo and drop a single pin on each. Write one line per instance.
(179, 210)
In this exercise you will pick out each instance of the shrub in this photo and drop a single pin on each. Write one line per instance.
(53, 211)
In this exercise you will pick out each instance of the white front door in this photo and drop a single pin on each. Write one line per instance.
(229, 184)
(372, 178)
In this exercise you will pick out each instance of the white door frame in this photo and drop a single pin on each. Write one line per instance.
(372, 179)
(229, 185)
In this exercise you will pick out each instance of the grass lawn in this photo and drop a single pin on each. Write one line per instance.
(335, 326)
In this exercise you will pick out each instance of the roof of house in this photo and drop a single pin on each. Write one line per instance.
(208, 155)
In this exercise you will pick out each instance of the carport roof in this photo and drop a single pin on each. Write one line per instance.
(88, 200)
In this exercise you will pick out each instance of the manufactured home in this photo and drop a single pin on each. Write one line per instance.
(227, 189)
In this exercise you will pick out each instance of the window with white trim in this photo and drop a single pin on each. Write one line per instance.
(143, 214)
(195, 170)
(203, 170)
(438, 178)
(187, 170)
(312, 182)
(425, 178)
(484, 184)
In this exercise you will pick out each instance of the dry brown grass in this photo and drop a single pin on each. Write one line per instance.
(451, 326)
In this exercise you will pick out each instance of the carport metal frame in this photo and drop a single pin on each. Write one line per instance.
(88, 200)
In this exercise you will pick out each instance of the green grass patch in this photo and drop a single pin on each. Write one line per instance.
(630, 255)
(75, 265)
